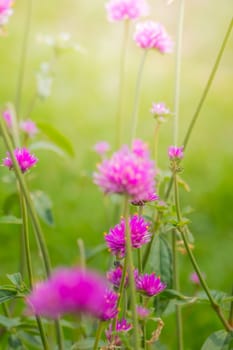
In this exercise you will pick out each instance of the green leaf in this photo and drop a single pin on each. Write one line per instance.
(43, 206)
(15, 343)
(10, 219)
(218, 296)
(16, 279)
(90, 254)
(10, 201)
(48, 146)
(161, 260)
(179, 298)
(7, 294)
(86, 344)
(220, 340)
(9, 322)
(57, 138)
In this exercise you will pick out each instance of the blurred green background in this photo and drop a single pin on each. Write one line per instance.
(83, 107)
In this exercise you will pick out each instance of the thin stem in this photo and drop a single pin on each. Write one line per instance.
(179, 327)
(156, 141)
(23, 57)
(132, 287)
(137, 96)
(121, 292)
(33, 214)
(59, 334)
(230, 319)
(177, 72)
(203, 97)
(121, 93)
(208, 85)
(98, 335)
(81, 253)
(150, 244)
(182, 231)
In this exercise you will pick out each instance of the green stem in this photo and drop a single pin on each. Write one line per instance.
(203, 97)
(33, 214)
(59, 335)
(137, 96)
(156, 141)
(230, 319)
(204, 285)
(121, 93)
(150, 244)
(98, 335)
(29, 265)
(23, 57)
(208, 85)
(121, 292)
(177, 72)
(179, 327)
(129, 258)
(81, 253)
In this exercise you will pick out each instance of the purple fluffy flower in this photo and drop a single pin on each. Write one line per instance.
(5, 11)
(7, 117)
(109, 309)
(160, 111)
(121, 326)
(152, 35)
(176, 153)
(139, 233)
(149, 284)
(29, 127)
(143, 312)
(127, 173)
(69, 291)
(101, 147)
(120, 10)
(114, 277)
(25, 159)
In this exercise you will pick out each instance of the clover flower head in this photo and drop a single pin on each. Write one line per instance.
(121, 326)
(120, 10)
(29, 127)
(114, 276)
(25, 159)
(149, 284)
(101, 147)
(7, 116)
(142, 312)
(5, 11)
(176, 153)
(68, 291)
(109, 309)
(152, 35)
(127, 173)
(139, 232)
(160, 111)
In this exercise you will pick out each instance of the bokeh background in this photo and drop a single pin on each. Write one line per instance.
(83, 106)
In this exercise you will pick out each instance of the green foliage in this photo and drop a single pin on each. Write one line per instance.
(10, 219)
(220, 340)
(43, 206)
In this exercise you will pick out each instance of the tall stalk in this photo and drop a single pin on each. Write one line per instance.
(134, 121)
(36, 224)
(23, 58)
(121, 93)
(130, 265)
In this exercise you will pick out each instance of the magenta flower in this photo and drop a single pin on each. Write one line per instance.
(140, 149)
(109, 309)
(101, 147)
(139, 231)
(149, 284)
(160, 111)
(7, 117)
(68, 291)
(29, 127)
(121, 326)
(143, 312)
(5, 11)
(114, 276)
(126, 173)
(25, 159)
(152, 35)
(195, 279)
(150, 198)
(120, 10)
(176, 153)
